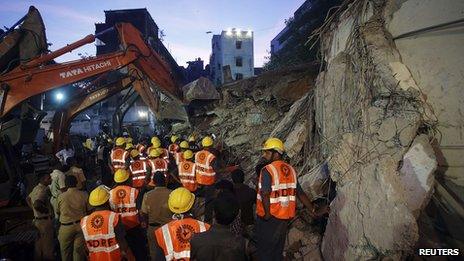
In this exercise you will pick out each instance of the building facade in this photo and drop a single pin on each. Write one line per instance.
(232, 56)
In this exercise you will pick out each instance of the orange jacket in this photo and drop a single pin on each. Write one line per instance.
(118, 158)
(205, 174)
(172, 148)
(174, 237)
(187, 175)
(283, 194)
(122, 201)
(140, 147)
(138, 169)
(100, 238)
(157, 164)
(179, 156)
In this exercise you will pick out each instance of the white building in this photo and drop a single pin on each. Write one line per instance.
(233, 47)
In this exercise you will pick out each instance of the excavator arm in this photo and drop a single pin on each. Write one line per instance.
(36, 76)
(63, 117)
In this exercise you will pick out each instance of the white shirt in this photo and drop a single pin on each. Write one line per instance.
(64, 154)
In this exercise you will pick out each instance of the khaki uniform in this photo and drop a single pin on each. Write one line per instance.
(57, 185)
(155, 205)
(72, 206)
(79, 174)
(43, 222)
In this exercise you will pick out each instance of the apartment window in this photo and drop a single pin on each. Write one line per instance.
(238, 76)
(238, 61)
(238, 44)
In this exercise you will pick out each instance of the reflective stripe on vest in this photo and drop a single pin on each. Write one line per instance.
(205, 174)
(158, 165)
(122, 202)
(173, 148)
(167, 237)
(101, 223)
(187, 175)
(118, 156)
(179, 156)
(283, 191)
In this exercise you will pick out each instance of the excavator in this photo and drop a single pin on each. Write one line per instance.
(23, 79)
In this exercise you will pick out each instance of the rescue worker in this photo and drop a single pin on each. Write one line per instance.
(192, 143)
(77, 172)
(103, 230)
(123, 201)
(139, 170)
(276, 201)
(39, 201)
(178, 156)
(141, 146)
(129, 147)
(173, 147)
(219, 243)
(157, 164)
(119, 156)
(155, 144)
(173, 238)
(57, 185)
(72, 207)
(186, 172)
(155, 211)
(205, 173)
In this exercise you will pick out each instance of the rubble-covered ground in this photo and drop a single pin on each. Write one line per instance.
(360, 123)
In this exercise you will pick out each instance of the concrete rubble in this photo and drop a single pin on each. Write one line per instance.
(362, 123)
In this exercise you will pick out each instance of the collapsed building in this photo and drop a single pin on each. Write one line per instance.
(370, 121)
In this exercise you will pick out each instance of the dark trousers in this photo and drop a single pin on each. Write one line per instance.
(270, 238)
(137, 241)
(208, 193)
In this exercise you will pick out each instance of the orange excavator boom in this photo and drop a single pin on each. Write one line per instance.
(37, 77)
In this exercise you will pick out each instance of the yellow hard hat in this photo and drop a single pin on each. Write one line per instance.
(155, 139)
(191, 138)
(99, 196)
(129, 140)
(134, 153)
(129, 146)
(207, 141)
(120, 141)
(184, 145)
(174, 138)
(121, 175)
(274, 144)
(180, 200)
(156, 142)
(154, 153)
(188, 154)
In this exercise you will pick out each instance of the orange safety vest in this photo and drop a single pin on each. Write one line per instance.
(179, 156)
(140, 147)
(283, 194)
(165, 155)
(173, 148)
(174, 237)
(205, 174)
(157, 164)
(187, 175)
(122, 201)
(118, 158)
(100, 238)
(138, 168)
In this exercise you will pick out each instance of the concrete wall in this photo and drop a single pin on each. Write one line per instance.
(435, 60)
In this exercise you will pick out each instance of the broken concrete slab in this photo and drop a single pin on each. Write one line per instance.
(417, 174)
(296, 139)
(200, 89)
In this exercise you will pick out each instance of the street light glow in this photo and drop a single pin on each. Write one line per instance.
(142, 114)
(59, 96)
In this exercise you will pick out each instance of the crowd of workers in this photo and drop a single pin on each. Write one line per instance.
(167, 201)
